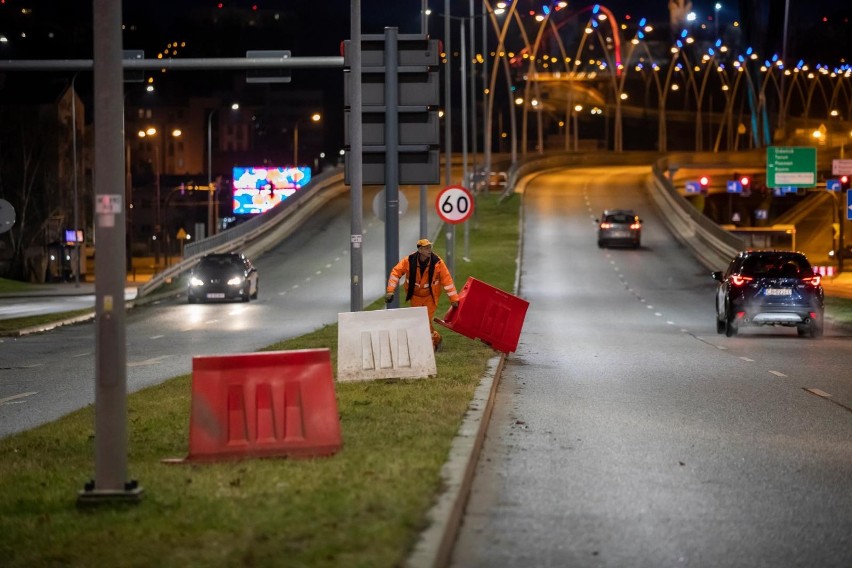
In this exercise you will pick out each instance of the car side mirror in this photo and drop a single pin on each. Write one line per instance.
(717, 275)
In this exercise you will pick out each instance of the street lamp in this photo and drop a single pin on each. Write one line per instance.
(210, 189)
(577, 110)
(316, 117)
(148, 132)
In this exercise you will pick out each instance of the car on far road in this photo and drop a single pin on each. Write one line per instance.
(619, 227)
(222, 276)
(769, 287)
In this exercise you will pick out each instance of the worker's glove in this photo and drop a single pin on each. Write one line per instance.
(454, 304)
(389, 297)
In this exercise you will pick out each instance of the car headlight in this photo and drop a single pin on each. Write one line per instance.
(195, 281)
(235, 281)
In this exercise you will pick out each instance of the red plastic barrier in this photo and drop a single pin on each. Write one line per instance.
(278, 403)
(489, 314)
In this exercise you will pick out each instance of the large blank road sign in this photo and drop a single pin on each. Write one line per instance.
(791, 166)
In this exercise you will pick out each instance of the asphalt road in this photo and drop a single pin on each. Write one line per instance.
(304, 284)
(627, 432)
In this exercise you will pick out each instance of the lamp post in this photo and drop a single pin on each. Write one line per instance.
(210, 188)
(316, 117)
(148, 132)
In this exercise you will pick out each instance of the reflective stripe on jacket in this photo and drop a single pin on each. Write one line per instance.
(422, 287)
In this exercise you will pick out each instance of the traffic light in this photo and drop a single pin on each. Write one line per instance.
(704, 182)
(745, 181)
(844, 182)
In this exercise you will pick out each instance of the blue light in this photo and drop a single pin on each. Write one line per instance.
(642, 22)
(748, 51)
(774, 58)
(679, 43)
(710, 51)
(718, 43)
(596, 9)
(741, 59)
(800, 63)
(594, 23)
(546, 10)
(640, 35)
(684, 33)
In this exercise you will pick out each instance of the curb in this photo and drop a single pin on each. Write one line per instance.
(435, 545)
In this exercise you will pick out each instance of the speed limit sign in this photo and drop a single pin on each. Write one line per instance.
(454, 204)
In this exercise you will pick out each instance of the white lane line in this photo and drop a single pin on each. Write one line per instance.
(208, 322)
(319, 272)
(650, 307)
(778, 373)
(17, 396)
(817, 392)
(658, 314)
(146, 362)
(81, 355)
(328, 266)
(747, 359)
(281, 293)
(670, 322)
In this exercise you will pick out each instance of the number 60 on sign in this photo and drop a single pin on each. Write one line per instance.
(454, 204)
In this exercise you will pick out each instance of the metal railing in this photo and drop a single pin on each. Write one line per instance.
(259, 233)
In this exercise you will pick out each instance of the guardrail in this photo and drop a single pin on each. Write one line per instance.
(259, 233)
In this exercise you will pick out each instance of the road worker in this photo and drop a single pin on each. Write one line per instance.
(425, 275)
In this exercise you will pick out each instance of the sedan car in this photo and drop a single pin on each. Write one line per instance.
(222, 276)
(619, 227)
(769, 287)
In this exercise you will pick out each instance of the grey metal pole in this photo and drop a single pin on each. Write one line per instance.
(110, 481)
(210, 173)
(486, 143)
(74, 166)
(465, 173)
(391, 154)
(448, 142)
(356, 166)
(450, 233)
(472, 55)
(424, 198)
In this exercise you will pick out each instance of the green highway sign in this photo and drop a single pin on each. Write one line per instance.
(791, 166)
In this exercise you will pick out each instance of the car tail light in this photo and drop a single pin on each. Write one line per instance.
(635, 226)
(813, 280)
(738, 280)
(606, 225)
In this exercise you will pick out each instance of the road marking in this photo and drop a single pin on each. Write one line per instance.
(282, 293)
(670, 322)
(145, 362)
(208, 322)
(747, 359)
(819, 393)
(658, 314)
(778, 373)
(157, 336)
(81, 355)
(17, 396)
(650, 307)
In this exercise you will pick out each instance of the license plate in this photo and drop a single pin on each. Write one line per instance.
(778, 292)
(215, 295)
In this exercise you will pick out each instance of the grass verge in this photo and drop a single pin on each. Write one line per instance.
(364, 506)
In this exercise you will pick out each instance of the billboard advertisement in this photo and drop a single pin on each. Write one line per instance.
(259, 189)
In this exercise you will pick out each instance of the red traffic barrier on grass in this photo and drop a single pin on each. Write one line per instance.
(489, 314)
(273, 404)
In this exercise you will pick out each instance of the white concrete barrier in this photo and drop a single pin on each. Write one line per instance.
(384, 344)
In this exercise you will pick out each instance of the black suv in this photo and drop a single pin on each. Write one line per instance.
(769, 287)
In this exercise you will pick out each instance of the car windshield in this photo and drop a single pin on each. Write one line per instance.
(776, 267)
(218, 262)
(619, 218)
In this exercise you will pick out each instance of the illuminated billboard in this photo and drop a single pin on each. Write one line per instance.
(257, 190)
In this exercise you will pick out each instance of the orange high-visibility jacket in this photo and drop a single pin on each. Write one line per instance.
(420, 278)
